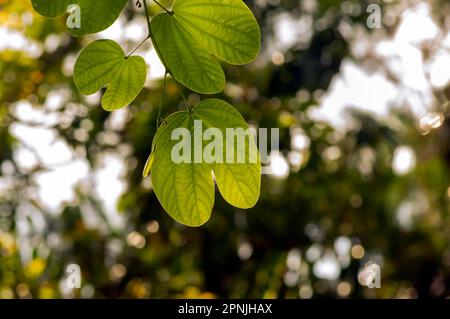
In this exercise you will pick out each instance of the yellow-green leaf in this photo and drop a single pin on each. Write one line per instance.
(95, 15)
(239, 183)
(189, 63)
(126, 84)
(189, 36)
(103, 63)
(185, 189)
(227, 28)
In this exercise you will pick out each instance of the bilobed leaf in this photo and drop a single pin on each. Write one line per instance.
(198, 29)
(103, 63)
(238, 183)
(126, 84)
(51, 9)
(95, 15)
(189, 63)
(186, 190)
(96, 65)
(227, 28)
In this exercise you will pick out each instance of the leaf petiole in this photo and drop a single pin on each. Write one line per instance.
(162, 7)
(137, 48)
(188, 105)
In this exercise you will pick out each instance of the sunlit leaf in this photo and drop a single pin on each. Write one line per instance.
(238, 183)
(227, 28)
(96, 65)
(198, 29)
(186, 189)
(148, 165)
(189, 63)
(103, 63)
(51, 9)
(126, 84)
(95, 15)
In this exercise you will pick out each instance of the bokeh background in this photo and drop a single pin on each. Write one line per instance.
(362, 176)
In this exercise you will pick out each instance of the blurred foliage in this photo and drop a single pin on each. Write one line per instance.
(344, 189)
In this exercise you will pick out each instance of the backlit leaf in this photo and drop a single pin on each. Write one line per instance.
(186, 190)
(227, 28)
(189, 63)
(238, 183)
(198, 29)
(95, 15)
(51, 8)
(103, 63)
(126, 84)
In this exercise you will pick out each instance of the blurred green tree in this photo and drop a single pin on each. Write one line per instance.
(338, 200)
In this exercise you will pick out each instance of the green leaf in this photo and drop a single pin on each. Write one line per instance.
(227, 28)
(51, 9)
(96, 65)
(198, 29)
(189, 63)
(95, 15)
(148, 165)
(126, 84)
(103, 63)
(238, 183)
(186, 189)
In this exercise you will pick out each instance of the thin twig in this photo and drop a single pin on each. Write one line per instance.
(180, 89)
(158, 119)
(147, 16)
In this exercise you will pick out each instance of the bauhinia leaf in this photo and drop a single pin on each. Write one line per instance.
(227, 28)
(103, 63)
(189, 63)
(238, 183)
(96, 65)
(126, 84)
(197, 29)
(185, 188)
(51, 9)
(95, 15)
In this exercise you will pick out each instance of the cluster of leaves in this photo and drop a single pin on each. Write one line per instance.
(186, 38)
(181, 262)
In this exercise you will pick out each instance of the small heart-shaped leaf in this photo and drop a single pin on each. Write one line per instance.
(103, 63)
(188, 62)
(126, 84)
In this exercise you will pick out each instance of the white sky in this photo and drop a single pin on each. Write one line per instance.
(374, 92)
